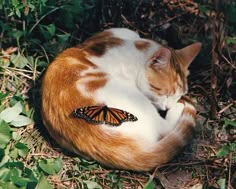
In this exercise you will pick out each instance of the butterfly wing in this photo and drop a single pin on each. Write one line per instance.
(116, 116)
(91, 114)
(103, 114)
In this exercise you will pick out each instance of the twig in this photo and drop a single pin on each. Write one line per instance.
(227, 107)
(49, 12)
(131, 25)
(230, 163)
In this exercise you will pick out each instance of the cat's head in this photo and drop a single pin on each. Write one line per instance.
(167, 73)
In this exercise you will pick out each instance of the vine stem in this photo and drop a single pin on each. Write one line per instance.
(51, 11)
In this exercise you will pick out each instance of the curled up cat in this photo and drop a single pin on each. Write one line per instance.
(101, 100)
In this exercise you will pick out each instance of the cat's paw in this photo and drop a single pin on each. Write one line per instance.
(190, 110)
(189, 107)
(174, 113)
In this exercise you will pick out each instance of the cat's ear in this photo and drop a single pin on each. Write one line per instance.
(161, 57)
(187, 54)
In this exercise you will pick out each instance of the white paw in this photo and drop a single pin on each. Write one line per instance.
(174, 113)
(188, 105)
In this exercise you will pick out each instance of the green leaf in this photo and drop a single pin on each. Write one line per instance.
(51, 166)
(20, 121)
(10, 114)
(18, 13)
(23, 150)
(5, 134)
(204, 8)
(19, 60)
(48, 31)
(149, 184)
(4, 62)
(43, 183)
(92, 184)
(17, 34)
(13, 153)
(42, 64)
(232, 147)
(3, 95)
(221, 183)
(5, 174)
(4, 160)
(51, 29)
(63, 38)
(8, 185)
(229, 122)
(223, 151)
(230, 40)
(18, 179)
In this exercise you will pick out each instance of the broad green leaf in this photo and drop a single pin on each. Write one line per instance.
(51, 29)
(16, 135)
(92, 184)
(8, 185)
(223, 151)
(3, 95)
(13, 153)
(204, 8)
(17, 98)
(232, 147)
(31, 60)
(17, 34)
(230, 40)
(42, 64)
(4, 62)
(5, 174)
(62, 38)
(51, 166)
(22, 149)
(19, 60)
(43, 183)
(20, 121)
(10, 114)
(48, 31)
(229, 122)
(221, 183)
(149, 184)
(5, 134)
(18, 178)
(4, 160)
(18, 13)
(21, 181)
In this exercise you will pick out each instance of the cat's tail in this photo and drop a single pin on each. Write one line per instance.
(171, 144)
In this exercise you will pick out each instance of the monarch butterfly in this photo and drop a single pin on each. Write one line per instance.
(103, 114)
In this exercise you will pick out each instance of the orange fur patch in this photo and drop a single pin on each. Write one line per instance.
(142, 45)
(98, 44)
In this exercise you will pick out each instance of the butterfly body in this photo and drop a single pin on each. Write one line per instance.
(103, 115)
(118, 79)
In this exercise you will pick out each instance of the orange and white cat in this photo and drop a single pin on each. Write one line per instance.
(116, 68)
